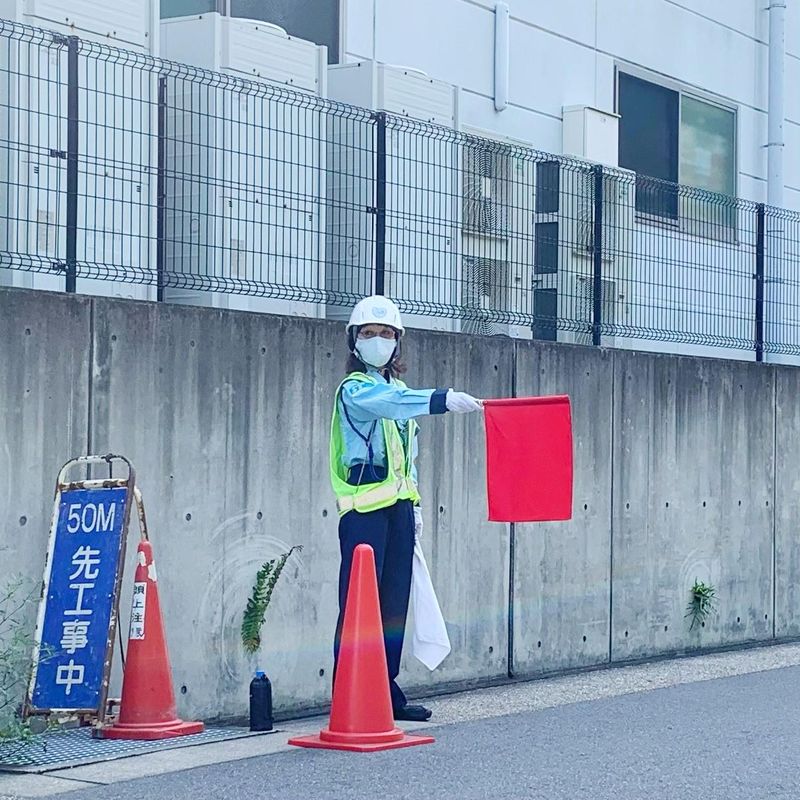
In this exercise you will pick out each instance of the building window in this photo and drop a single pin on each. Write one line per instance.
(545, 313)
(672, 136)
(187, 8)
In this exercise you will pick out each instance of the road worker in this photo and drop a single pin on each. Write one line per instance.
(373, 472)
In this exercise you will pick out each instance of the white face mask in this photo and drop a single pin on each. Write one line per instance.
(375, 352)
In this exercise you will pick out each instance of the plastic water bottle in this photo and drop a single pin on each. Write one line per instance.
(260, 703)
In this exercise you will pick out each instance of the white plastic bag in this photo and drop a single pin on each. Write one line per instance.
(430, 643)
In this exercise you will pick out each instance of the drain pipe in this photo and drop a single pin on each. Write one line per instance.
(775, 110)
(501, 56)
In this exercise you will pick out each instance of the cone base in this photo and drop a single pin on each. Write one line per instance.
(145, 732)
(315, 741)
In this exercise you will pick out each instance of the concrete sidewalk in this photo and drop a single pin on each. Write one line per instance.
(463, 726)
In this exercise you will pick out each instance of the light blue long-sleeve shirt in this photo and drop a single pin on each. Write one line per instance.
(366, 404)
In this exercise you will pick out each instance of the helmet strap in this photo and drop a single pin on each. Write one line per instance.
(386, 368)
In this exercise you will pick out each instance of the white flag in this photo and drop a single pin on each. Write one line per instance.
(430, 643)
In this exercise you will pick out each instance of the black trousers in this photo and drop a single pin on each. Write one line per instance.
(390, 533)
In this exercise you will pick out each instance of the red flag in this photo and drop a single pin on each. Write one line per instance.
(529, 459)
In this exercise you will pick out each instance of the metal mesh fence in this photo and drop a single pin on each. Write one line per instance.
(121, 167)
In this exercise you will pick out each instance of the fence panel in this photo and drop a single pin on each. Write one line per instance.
(119, 168)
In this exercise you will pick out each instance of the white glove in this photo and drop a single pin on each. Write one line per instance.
(418, 525)
(461, 402)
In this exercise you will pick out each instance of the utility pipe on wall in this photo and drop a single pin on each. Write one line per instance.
(500, 56)
(775, 110)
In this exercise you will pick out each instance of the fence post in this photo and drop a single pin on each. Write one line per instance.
(597, 256)
(759, 276)
(380, 204)
(161, 189)
(512, 542)
(72, 163)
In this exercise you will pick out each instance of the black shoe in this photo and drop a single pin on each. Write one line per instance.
(413, 713)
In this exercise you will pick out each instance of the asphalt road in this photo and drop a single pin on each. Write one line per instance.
(724, 739)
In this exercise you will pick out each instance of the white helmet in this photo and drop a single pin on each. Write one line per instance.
(377, 310)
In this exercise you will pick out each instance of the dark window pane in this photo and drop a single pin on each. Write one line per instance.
(648, 142)
(657, 198)
(315, 20)
(186, 8)
(547, 187)
(545, 249)
(545, 310)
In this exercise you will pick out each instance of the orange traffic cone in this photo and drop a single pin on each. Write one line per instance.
(361, 711)
(148, 707)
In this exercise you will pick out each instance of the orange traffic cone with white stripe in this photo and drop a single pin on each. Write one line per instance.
(361, 711)
(147, 710)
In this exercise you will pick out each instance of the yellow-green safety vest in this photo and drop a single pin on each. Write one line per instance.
(398, 484)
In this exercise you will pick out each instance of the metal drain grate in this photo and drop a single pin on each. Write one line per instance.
(74, 748)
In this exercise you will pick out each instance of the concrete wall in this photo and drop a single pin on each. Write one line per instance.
(561, 575)
(787, 492)
(692, 498)
(224, 416)
(45, 345)
(684, 468)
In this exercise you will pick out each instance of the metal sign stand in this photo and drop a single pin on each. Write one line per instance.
(79, 604)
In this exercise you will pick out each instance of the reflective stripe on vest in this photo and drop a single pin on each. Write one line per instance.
(380, 494)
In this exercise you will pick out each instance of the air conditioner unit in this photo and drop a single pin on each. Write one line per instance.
(117, 154)
(591, 134)
(486, 179)
(422, 187)
(583, 292)
(485, 290)
(497, 237)
(617, 212)
(246, 170)
(564, 261)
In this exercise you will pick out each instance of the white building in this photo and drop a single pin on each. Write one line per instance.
(678, 90)
(684, 91)
(698, 58)
(702, 65)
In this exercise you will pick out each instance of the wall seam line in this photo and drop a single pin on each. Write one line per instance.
(612, 466)
(774, 501)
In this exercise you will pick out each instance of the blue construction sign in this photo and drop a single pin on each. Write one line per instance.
(76, 614)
